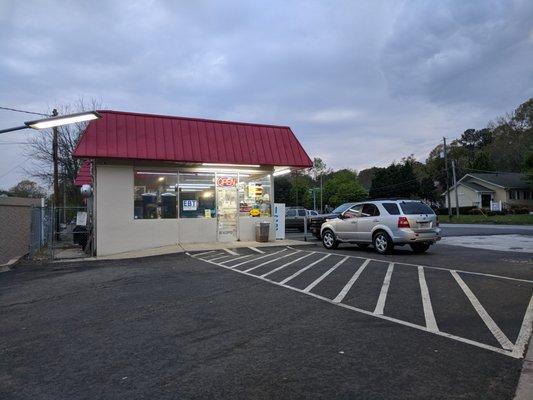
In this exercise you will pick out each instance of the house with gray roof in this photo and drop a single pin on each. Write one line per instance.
(478, 190)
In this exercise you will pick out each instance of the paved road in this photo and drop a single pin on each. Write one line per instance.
(300, 323)
(457, 230)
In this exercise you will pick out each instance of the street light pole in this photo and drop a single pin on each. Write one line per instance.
(56, 175)
(447, 180)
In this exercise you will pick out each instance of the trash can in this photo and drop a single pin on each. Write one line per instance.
(262, 230)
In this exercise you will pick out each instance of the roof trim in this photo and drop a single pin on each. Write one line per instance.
(218, 121)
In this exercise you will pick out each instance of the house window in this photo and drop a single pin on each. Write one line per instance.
(154, 194)
(512, 194)
(197, 195)
(527, 195)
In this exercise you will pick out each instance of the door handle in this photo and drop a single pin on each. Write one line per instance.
(375, 220)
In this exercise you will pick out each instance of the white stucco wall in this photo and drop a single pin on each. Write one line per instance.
(467, 197)
(197, 230)
(116, 229)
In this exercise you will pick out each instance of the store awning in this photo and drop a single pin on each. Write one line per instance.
(124, 135)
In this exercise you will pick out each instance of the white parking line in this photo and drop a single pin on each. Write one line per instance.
(256, 250)
(271, 261)
(342, 294)
(304, 269)
(431, 323)
(513, 354)
(431, 267)
(525, 330)
(380, 306)
(201, 254)
(496, 331)
(233, 253)
(219, 258)
(287, 264)
(237, 258)
(258, 258)
(321, 277)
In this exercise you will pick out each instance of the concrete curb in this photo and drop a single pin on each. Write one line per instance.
(177, 249)
(10, 264)
(524, 390)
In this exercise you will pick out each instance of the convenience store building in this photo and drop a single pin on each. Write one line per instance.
(162, 180)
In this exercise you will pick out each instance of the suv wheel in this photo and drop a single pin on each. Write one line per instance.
(419, 247)
(383, 243)
(329, 240)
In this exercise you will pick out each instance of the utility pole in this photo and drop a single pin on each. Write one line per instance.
(56, 178)
(455, 186)
(447, 180)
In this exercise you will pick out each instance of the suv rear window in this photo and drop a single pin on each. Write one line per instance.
(414, 207)
(392, 208)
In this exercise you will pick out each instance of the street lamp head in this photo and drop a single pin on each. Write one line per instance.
(63, 120)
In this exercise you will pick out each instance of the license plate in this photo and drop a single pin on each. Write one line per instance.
(423, 224)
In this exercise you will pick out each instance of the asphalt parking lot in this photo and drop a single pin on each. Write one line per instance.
(280, 322)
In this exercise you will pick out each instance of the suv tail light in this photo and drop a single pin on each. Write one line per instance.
(403, 222)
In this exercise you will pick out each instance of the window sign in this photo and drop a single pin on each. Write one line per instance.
(190, 205)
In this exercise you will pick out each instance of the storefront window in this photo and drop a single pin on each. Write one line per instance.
(255, 195)
(154, 195)
(197, 195)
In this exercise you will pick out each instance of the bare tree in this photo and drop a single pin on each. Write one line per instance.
(39, 151)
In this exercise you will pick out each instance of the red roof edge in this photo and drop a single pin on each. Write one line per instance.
(84, 176)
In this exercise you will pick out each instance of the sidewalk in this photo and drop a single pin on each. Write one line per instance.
(181, 248)
(495, 226)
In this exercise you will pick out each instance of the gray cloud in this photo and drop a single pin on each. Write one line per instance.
(360, 83)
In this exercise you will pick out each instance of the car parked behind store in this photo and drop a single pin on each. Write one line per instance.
(294, 217)
(384, 224)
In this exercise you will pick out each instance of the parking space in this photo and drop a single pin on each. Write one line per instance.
(489, 311)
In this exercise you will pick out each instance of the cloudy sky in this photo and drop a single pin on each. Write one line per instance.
(361, 83)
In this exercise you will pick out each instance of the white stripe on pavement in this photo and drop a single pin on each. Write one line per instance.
(219, 258)
(258, 258)
(303, 269)
(287, 264)
(380, 306)
(525, 331)
(256, 250)
(237, 258)
(342, 294)
(201, 254)
(321, 277)
(233, 253)
(383, 317)
(496, 331)
(271, 261)
(431, 323)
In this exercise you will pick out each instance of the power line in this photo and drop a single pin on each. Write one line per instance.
(491, 172)
(15, 167)
(23, 111)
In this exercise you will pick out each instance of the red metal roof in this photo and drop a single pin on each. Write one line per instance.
(126, 135)
(84, 174)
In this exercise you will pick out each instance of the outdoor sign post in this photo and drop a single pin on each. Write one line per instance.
(279, 220)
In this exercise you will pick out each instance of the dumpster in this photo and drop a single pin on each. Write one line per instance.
(261, 231)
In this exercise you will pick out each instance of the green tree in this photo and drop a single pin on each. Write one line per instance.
(27, 188)
(341, 187)
(397, 180)
(528, 163)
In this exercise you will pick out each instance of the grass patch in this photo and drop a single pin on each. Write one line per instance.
(511, 219)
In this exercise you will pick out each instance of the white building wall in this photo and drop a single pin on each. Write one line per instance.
(116, 229)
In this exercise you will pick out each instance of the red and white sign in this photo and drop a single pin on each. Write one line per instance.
(226, 182)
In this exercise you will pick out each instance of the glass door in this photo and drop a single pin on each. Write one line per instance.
(226, 207)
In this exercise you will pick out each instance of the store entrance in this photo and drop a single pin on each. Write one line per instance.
(226, 208)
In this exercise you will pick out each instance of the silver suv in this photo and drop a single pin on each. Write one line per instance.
(384, 224)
